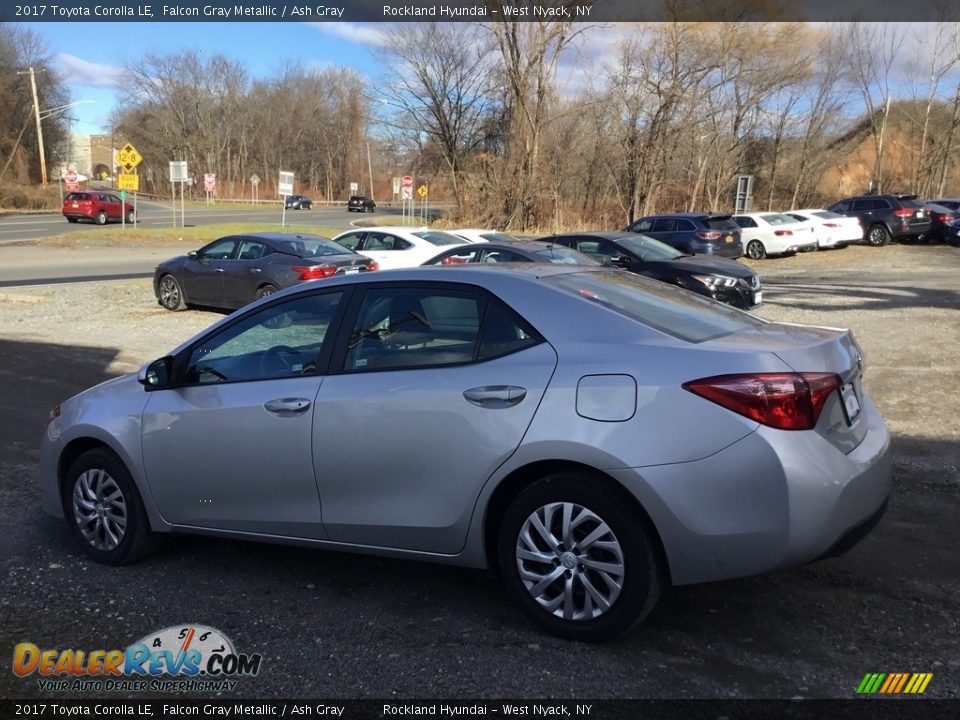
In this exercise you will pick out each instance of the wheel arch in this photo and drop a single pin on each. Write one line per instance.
(522, 477)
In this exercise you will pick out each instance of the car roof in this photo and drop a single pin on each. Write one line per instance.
(278, 236)
(603, 234)
(688, 215)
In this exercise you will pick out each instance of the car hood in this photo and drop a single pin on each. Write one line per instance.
(705, 265)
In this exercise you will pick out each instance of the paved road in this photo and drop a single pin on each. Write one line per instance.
(17, 228)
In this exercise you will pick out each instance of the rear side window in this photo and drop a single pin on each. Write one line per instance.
(744, 222)
(664, 225)
(685, 225)
(672, 311)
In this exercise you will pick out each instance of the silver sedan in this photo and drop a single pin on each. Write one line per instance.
(587, 434)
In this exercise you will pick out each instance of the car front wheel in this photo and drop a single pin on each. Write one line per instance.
(104, 510)
(101, 218)
(756, 250)
(579, 560)
(130, 217)
(171, 295)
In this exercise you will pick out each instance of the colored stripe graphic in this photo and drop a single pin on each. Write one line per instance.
(894, 683)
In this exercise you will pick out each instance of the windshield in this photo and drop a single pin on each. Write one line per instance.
(560, 255)
(649, 249)
(435, 237)
(311, 246)
(670, 310)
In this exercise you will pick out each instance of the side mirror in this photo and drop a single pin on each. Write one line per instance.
(192, 254)
(157, 375)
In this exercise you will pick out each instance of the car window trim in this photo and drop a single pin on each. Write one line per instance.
(182, 358)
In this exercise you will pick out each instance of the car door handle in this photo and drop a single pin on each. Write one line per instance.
(219, 269)
(287, 407)
(254, 270)
(495, 396)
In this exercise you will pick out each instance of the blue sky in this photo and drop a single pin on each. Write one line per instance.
(91, 55)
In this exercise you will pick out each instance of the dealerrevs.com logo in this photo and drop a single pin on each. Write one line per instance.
(175, 659)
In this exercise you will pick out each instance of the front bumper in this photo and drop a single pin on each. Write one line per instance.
(774, 499)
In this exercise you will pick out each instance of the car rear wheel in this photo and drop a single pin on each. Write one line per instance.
(878, 235)
(101, 218)
(579, 560)
(171, 295)
(104, 510)
(756, 250)
(264, 291)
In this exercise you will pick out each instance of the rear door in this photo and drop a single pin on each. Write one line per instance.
(439, 382)
(243, 275)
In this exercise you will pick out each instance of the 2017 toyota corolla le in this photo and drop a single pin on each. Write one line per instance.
(533, 419)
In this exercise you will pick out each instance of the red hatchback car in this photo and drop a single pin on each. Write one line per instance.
(97, 206)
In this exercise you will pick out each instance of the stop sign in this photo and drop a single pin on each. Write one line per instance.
(408, 181)
(71, 176)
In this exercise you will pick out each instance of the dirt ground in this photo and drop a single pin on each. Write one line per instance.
(342, 626)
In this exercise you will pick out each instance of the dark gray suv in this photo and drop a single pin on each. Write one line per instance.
(886, 217)
(696, 233)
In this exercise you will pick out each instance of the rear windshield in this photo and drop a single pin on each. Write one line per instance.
(494, 236)
(78, 196)
(358, 198)
(670, 310)
(311, 246)
(827, 215)
(911, 202)
(721, 222)
(561, 255)
(435, 237)
(779, 219)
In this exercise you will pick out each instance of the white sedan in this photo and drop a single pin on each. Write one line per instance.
(770, 233)
(479, 235)
(832, 230)
(398, 247)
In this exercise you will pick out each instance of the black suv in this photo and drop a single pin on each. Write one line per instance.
(698, 233)
(885, 217)
(298, 202)
(360, 203)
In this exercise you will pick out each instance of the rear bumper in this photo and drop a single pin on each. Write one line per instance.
(799, 501)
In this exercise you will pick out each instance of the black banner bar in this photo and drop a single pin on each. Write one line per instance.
(903, 709)
(586, 11)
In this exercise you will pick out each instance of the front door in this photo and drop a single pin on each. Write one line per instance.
(230, 449)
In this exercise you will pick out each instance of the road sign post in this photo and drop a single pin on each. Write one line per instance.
(284, 189)
(254, 191)
(406, 196)
(209, 186)
(178, 174)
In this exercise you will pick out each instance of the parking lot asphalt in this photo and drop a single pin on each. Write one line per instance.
(335, 625)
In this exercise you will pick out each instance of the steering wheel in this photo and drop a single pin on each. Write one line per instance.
(277, 361)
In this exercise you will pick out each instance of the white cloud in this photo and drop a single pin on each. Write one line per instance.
(83, 72)
(364, 34)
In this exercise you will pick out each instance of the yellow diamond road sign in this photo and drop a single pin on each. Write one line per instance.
(128, 157)
(422, 191)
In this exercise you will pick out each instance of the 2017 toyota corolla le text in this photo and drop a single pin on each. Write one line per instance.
(532, 419)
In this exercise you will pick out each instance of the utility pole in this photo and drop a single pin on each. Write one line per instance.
(36, 112)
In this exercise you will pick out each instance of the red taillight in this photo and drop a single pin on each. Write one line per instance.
(708, 234)
(373, 265)
(315, 272)
(786, 401)
(940, 217)
(834, 225)
(781, 233)
(903, 212)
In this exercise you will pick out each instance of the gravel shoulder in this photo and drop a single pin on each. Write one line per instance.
(335, 625)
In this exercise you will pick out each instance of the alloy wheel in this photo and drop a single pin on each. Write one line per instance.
(99, 509)
(570, 561)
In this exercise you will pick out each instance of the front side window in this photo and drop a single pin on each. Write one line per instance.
(282, 340)
(460, 257)
(383, 241)
(642, 226)
(664, 225)
(221, 249)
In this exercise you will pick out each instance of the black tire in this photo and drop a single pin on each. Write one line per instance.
(91, 475)
(264, 290)
(101, 218)
(72, 220)
(641, 579)
(171, 294)
(878, 235)
(130, 217)
(755, 250)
